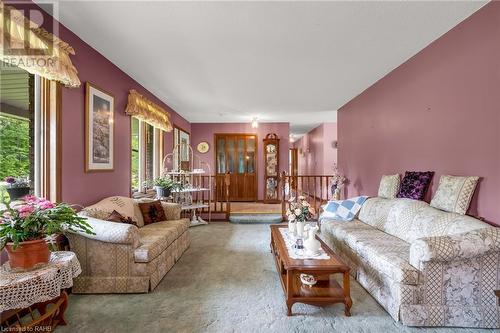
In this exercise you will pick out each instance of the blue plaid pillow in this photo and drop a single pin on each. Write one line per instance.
(343, 210)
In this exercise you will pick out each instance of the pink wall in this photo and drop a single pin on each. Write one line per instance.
(86, 188)
(205, 132)
(438, 111)
(321, 157)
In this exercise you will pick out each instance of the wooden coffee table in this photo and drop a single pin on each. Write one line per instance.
(325, 291)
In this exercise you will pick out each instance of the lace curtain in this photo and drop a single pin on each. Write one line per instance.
(153, 114)
(27, 46)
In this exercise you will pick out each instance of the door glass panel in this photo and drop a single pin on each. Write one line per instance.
(230, 145)
(221, 156)
(250, 155)
(241, 155)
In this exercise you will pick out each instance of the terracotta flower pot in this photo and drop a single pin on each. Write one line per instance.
(28, 254)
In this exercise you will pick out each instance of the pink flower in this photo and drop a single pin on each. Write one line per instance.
(31, 199)
(25, 210)
(45, 204)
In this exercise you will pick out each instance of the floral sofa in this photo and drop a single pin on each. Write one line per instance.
(426, 267)
(124, 258)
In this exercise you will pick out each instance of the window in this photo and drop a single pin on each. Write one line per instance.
(29, 131)
(146, 154)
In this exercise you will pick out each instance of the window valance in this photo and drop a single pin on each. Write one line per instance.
(142, 108)
(25, 45)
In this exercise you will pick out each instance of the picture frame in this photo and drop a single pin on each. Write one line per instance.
(99, 129)
(182, 140)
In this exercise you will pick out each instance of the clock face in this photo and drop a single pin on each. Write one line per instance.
(203, 147)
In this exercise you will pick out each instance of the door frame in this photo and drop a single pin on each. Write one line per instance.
(256, 161)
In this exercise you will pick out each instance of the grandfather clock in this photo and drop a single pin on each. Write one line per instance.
(271, 167)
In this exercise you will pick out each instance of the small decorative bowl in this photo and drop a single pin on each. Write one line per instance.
(307, 279)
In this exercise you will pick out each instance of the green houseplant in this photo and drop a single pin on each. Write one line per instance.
(27, 229)
(164, 186)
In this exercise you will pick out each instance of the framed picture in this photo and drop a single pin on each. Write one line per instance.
(182, 139)
(99, 129)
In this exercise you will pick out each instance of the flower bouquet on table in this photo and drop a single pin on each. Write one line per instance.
(338, 183)
(27, 229)
(299, 211)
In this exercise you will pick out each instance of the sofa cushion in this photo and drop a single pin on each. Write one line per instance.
(375, 211)
(152, 212)
(454, 193)
(156, 237)
(415, 184)
(389, 186)
(383, 252)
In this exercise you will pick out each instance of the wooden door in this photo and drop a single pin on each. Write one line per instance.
(236, 154)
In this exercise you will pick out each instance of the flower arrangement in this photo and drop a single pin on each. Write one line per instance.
(13, 182)
(338, 182)
(299, 210)
(38, 218)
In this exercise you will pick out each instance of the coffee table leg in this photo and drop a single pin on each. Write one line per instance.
(289, 292)
(347, 294)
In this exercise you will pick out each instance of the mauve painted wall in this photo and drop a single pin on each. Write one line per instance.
(438, 111)
(321, 156)
(86, 188)
(205, 132)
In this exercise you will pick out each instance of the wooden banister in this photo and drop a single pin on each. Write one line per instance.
(315, 188)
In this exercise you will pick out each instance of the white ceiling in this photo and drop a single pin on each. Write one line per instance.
(296, 62)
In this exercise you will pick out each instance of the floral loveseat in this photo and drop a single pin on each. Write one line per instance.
(124, 258)
(426, 267)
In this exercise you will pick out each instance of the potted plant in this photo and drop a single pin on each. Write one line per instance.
(17, 187)
(27, 229)
(164, 186)
(299, 211)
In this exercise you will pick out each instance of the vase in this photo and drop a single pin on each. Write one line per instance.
(311, 244)
(300, 228)
(291, 227)
(336, 194)
(162, 192)
(28, 254)
(17, 192)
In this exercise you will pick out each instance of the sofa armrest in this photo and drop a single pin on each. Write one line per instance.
(111, 232)
(462, 246)
(172, 210)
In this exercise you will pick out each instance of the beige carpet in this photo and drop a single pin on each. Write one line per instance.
(226, 282)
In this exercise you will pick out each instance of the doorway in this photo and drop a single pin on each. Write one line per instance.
(236, 154)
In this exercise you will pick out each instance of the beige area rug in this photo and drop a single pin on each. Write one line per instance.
(226, 282)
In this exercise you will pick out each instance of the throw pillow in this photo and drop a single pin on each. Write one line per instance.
(117, 217)
(389, 186)
(343, 210)
(415, 184)
(454, 193)
(152, 212)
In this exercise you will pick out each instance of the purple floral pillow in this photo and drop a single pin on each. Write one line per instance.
(415, 184)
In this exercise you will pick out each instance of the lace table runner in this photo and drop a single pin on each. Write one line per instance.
(290, 240)
(20, 289)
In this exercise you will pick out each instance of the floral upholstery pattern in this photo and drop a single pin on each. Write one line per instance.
(440, 269)
(121, 258)
(389, 186)
(454, 193)
(415, 184)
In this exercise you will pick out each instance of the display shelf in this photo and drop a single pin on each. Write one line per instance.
(194, 206)
(187, 190)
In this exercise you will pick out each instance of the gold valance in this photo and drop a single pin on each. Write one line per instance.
(142, 108)
(34, 49)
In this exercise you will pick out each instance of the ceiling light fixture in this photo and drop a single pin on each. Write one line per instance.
(255, 123)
